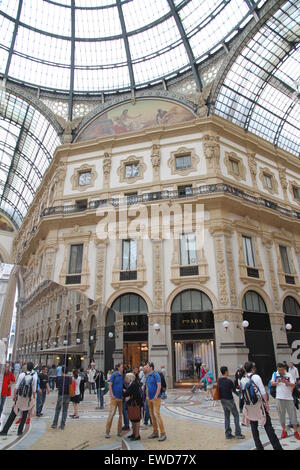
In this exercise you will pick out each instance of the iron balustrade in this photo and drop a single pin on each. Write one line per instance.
(219, 188)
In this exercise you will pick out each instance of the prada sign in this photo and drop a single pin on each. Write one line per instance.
(135, 323)
(192, 321)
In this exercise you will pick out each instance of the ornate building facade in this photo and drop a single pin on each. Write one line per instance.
(131, 297)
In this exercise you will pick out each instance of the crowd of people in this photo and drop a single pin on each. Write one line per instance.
(137, 394)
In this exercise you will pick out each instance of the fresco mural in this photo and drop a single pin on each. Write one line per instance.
(5, 225)
(130, 117)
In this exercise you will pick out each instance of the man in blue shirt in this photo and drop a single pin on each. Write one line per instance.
(153, 395)
(116, 394)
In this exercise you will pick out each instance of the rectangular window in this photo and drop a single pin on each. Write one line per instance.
(248, 251)
(75, 262)
(296, 192)
(188, 252)
(234, 165)
(185, 190)
(82, 204)
(131, 170)
(285, 259)
(268, 181)
(129, 255)
(84, 178)
(183, 161)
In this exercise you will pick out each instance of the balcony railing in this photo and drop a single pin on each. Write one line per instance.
(170, 195)
(189, 270)
(128, 275)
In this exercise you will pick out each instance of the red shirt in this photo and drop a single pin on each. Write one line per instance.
(7, 380)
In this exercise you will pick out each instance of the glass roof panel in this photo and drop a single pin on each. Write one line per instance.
(102, 23)
(259, 91)
(27, 144)
(42, 50)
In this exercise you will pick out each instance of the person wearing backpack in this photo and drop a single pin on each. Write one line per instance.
(24, 398)
(285, 384)
(226, 387)
(256, 407)
(153, 394)
(116, 396)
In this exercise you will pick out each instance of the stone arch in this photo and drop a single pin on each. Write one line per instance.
(189, 286)
(127, 290)
(259, 291)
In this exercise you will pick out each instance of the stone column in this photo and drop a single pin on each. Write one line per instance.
(118, 353)
(106, 169)
(101, 246)
(281, 347)
(283, 182)
(230, 343)
(160, 345)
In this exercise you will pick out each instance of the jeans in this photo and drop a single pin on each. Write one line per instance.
(62, 402)
(92, 386)
(52, 382)
(125, 414)
(100, 395)
(2, 402)
(40, 401)
(115, 403)
(11, 419)
(229, 407)
(154, 408)
(270, 432)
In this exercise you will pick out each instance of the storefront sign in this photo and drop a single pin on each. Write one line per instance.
(192, 321)
(135, 323)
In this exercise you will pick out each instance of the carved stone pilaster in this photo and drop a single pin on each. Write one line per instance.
(253, 168)
(230, 269)
(221, 268)
(100, 269)
(155, 160)
(211, 148)
(283, 181)
(106, 169)
(157, 275)
(268, 243)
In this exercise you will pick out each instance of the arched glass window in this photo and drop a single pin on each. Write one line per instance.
(79, 327)
(110, 317)
(93, 324)
(130, 304)
(253, 302)
(291, 306)
(191, 301)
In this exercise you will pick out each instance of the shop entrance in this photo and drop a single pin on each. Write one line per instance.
(135, 328)
(192, 325)
(258, 335)
(135, 354)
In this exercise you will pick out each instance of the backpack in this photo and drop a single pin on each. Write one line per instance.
(163, 382)
(250, 392)
(272, 390)
(25, 387)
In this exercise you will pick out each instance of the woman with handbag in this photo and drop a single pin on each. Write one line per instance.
(134, 402)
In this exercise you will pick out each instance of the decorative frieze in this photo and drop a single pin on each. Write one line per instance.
(155, 160)
(253, 168)
(106, 169)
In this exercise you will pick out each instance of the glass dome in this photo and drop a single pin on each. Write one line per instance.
(94, 46)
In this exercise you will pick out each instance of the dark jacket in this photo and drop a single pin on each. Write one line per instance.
(100, 380)
(133, 391)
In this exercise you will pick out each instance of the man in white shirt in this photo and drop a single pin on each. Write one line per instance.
(293, 371)
(24, 399)
(260, 410)
(285, 384)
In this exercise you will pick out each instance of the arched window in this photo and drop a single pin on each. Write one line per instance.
(291, 306)
(110, 317)
(79, 327)
(253, 302)
(130, 304)
(191, 301)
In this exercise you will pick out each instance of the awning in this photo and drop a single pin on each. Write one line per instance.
(78, 349)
